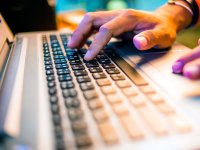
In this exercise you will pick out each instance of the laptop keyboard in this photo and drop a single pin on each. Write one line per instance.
(105, 83)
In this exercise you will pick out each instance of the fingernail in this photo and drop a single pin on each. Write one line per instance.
(177, 67)
(69, 43)
(140, 42)
(87, 55)
(192, 72)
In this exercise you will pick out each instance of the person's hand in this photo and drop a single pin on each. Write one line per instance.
(189, 64)
(151, 30)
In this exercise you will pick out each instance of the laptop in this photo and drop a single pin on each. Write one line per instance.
(51, 98)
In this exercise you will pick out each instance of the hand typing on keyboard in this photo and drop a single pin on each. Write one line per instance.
(152, 29)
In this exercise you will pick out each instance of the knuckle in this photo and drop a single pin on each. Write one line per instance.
(88, 16)
(128, 12)
(104, 29)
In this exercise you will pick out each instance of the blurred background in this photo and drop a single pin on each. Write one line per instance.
(38, 15)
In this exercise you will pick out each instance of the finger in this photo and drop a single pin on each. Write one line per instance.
(114, 27)
(178, 65)
(101, 39)
(90, 22)
(191, 70)
(153, 38)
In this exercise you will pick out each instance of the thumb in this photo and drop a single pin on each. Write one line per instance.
(152, 38)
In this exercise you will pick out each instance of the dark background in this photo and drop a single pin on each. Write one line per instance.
(28, 15)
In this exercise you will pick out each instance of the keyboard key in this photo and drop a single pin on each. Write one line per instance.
(50, 78)
(48, 63)
(147, 89)
(100, 75)
(72, 102)
(83, 141)
(58, 57)
(113, 71)
(117, 77)
(165, 108)
(77, 67)
(67, 85)
(108, 66)
(63, 71)
(100, 115)
(95, 104)
(131, 91)
(114, 98)
(60, 61)
(108, 90)
(75, 62)
(153, 120)
(55, 108)
(95, 69)
(80, 72)
(82, 79)
(138, 100)
(86, 86)
(104, 61)
(103, 82)
(131, 127)
(56, 119)
(179, 123)
(48, 67)
(60, 144)
(120, 109)
(91, 94)
(51, 84)
(52, 91)
(91, 64)
(123, 84)
(49, 72)
(75, 114)
(66, 77)
(53, 99)
(79, 126)
(58, 132)
(69, 93)
(61, 66)
(155, 98)
(105, 128)
(47, 59)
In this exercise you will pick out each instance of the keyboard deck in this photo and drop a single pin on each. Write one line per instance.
(105, 83)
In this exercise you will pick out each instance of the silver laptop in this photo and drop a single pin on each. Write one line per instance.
(50, 98)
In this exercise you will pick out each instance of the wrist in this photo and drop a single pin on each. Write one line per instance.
(176, 15)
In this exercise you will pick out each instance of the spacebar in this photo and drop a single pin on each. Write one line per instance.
(129, 70)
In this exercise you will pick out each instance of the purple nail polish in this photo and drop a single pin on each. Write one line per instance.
(177, 67)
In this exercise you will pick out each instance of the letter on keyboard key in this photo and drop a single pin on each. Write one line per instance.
(131, 127)
(153, 120)
(108, 132)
